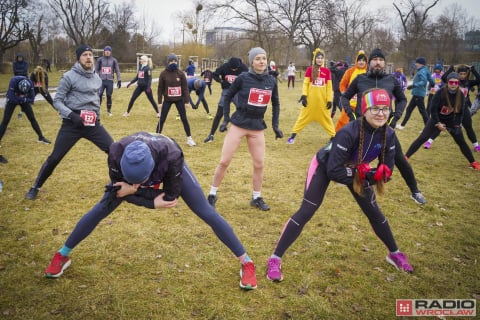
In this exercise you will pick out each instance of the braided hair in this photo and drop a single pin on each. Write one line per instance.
(358, 186)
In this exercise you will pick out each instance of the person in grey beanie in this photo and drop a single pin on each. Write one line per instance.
(254, 89)
(78, 103)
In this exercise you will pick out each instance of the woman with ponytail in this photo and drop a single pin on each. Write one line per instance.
(39, 77)
(346, 160)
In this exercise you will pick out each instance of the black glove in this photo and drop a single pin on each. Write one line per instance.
(223, 126)
(195, 106)
(76, 119)
(329, 105)
(278, 133)
(472, 68)
(352, 116)
(409, 87)
(119, 84)
(111, 194)
(369, 180)
(303, 100)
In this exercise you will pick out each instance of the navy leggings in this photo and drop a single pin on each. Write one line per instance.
(193, 196)
(315, 187)
(136, 94)
(67, 137)
(27, 109)
(107, 86)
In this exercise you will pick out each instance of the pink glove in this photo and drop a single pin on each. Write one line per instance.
(383, 172)
(362, 169)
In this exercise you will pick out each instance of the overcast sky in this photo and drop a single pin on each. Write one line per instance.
(164, 14)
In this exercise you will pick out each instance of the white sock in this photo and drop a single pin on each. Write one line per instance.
(430, 140)
(213, 190)
(256, 194)
(475, 144)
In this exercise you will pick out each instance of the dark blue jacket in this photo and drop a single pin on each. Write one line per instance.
(15, 96)
(20, 68)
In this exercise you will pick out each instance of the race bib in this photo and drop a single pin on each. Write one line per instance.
(174, 91)
(106, 70)
(464, 91)
(141, 74)
(319, 82)
(206, 80)
(445, 110)
(88, 117)
(259, 97)
(230, 78)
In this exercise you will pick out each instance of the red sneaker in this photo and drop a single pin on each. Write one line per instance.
(475, 165)
(57, 266)
(248, 279)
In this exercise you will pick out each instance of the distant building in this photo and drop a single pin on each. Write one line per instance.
(472, 40)
(223, 34)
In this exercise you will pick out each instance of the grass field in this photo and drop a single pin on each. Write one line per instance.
(167, 264)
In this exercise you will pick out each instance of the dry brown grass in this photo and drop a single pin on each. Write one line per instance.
(167, 264)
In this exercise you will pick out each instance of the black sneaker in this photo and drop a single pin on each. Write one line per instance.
(31, 194)
(20, 115)
(260, 204)
(209, 139)
(3, 159)
(212, 198)
(44, 140)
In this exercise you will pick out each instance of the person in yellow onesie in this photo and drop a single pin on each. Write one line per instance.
(360, 67)
(317, 96)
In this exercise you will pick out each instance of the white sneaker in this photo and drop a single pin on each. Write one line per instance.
(399, 127)
(126, 114)
(190, 142)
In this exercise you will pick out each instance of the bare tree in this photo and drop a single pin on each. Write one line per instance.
(289, 15)
(314, 31)
(414, 20)
(13, 25)
(81, 19)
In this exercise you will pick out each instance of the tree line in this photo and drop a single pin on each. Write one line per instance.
(289, 30)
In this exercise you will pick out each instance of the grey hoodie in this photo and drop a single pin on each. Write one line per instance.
(78, 90)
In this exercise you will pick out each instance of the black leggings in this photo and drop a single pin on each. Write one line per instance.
(405, 168)
(181, 111)
(467, 125)
(67, 137)
(27, 109)
(45, 94)
(107, 85)
(137, 92)
(419, 102)
(431, 130)
(193, 196)
(315, 187)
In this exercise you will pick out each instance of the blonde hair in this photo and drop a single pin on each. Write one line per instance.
(39, 74)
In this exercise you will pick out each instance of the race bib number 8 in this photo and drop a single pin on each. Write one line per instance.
(88, 117)
(259, 97)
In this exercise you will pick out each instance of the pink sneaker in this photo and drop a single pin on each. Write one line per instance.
(274, 269)
(399, 261)
(427, 145)
(476, 149)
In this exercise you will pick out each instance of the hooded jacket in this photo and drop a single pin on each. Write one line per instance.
(20, 68)
(351, 73)
(225, 74)
(106, 67)
(78, 90)
(318, 87)
(14, 96)
(172, 86)
(168, 157)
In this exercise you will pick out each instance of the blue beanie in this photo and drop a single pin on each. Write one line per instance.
(421, 60)
(107, 48)
(438, 66)
(137, 162)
